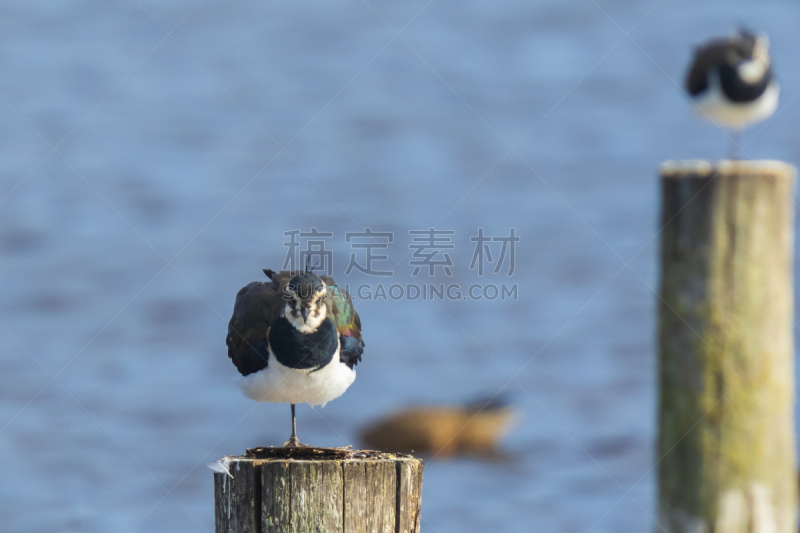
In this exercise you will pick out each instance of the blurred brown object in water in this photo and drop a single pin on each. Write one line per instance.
(444, 431)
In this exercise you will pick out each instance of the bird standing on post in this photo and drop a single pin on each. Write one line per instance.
(295, 339)
(731, 82)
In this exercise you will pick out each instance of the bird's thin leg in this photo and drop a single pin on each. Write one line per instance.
(293, 441)
(294, 424)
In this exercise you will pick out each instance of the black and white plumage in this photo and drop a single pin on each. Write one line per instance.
(294, 339)
(731, 81)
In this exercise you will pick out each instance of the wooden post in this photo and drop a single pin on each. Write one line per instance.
(324, 490)
(726, 444)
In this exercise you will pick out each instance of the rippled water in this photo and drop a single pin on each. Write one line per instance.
(167, 152)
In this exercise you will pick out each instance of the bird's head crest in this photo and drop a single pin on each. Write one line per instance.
(306, 286)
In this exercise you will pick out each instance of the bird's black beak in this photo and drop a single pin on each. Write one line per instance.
(304, 312)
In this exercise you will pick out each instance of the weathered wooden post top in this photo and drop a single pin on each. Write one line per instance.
(325, 490)
(726, 349)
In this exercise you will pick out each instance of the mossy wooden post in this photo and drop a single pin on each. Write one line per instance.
(726, 444)
(321, 490)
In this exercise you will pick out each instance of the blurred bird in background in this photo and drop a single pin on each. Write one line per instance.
(294, 339)
(731, 82)
(476, 429)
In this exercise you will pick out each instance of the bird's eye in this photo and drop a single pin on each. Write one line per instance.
(320, 289)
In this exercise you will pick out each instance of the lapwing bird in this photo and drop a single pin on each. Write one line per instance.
(294, 339)
(731, 81)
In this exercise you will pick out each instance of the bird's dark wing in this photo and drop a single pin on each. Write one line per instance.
(347, 322)
(257, 306)
(706, 57)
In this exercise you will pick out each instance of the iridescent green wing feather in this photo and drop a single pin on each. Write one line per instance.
(347, 322)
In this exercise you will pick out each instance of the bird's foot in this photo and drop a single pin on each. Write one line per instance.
(294, 442)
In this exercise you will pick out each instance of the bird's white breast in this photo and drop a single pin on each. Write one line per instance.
(281, 384)
(714, 105)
